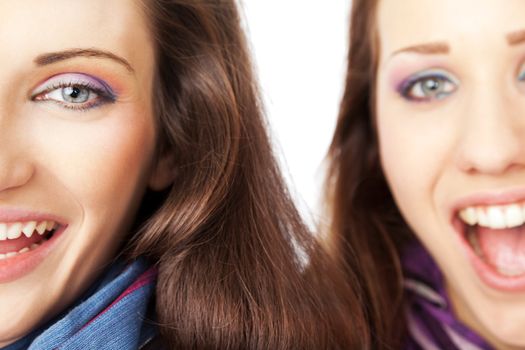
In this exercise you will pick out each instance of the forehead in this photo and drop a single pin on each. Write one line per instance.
(30, 27)
(404, 23)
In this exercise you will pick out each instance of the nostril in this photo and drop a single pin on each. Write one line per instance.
(490, 164)
(489, 146)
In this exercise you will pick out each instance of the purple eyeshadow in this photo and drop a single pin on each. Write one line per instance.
(80, 79)
(404, 87)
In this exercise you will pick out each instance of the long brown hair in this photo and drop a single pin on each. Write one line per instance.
(226, 236)
(367, 229)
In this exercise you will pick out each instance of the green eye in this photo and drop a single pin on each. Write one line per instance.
(433, 87)
(427, 86)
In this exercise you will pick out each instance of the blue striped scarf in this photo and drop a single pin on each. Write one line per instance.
(112, 316)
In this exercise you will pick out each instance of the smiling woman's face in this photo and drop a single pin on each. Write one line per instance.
(451, 124)
(78, 140)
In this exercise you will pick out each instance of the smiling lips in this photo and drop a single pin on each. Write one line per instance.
(495, 234)
(20, 237)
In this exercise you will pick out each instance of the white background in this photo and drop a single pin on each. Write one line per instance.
(299, 48)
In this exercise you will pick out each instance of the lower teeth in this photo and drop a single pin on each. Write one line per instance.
(509, 273)
(33, 246)
(21, 251)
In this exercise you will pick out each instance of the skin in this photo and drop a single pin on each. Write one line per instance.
(89, 167)
(471, 140)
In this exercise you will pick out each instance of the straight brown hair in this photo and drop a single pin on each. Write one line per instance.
(367, 230)
(225, 236)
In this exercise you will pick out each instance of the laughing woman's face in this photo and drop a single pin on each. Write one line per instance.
(451, 123)
(77, 141)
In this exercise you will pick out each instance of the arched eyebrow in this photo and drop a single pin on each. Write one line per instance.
(426, 49)
(513, 38)
(53, 57)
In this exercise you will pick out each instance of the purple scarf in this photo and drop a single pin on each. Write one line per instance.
(112, 315)
(432, 324)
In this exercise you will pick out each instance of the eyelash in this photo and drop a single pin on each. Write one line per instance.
(102, 95)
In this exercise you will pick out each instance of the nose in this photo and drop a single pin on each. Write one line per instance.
(14, 173)
(493, 134)
(16, 168)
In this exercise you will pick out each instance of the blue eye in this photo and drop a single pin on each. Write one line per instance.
(75, 91)
(427, 87)
(73, 94)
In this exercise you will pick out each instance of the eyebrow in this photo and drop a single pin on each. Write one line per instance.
(513, 38)
(426, 49)
(53, 57)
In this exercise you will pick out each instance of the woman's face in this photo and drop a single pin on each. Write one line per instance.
(451, 123)
(77, 141)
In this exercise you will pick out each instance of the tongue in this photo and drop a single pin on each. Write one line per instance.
(14, 245)
(503, 248)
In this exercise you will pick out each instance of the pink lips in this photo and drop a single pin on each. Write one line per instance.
(20, 265)
(14, 215)
(488, 274)
(489, 198)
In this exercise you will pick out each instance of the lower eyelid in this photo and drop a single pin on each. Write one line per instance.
(82, 107)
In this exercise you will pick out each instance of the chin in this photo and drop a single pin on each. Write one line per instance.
(506, 324)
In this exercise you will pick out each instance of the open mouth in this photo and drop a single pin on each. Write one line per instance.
(495, 235)
(18, 238)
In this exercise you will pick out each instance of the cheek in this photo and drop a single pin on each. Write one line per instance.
(101, 163)
(414, 155)
(115, 163)
(403, 159)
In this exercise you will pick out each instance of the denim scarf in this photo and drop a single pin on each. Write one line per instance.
(111, 316)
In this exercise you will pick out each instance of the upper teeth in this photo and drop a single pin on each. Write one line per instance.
(13, 230)
(495, 217)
